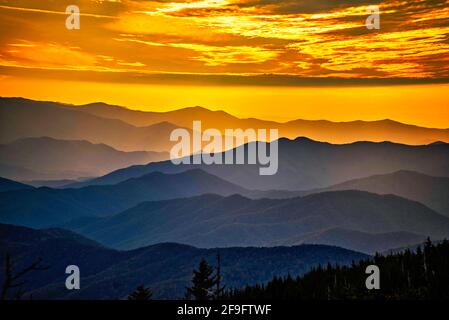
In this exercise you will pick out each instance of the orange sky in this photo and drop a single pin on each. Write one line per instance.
(122, 44)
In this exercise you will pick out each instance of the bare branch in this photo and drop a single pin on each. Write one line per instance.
(11, 279)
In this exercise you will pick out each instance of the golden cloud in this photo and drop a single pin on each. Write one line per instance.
(305, 38)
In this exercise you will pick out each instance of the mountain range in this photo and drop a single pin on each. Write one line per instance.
(130, 130)
(49, 158)
(43, 207)
(367, 196)
(366, 242)
(167, 268)
(217, 221)
(124, 203)
(321, 130)
(304, 164)
(81, 210)
(429, 190)
(22, 118)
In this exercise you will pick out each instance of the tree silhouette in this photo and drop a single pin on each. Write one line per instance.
(203, 282)
(219, 289)
(406, 275)
(14, 279)
(141, 293)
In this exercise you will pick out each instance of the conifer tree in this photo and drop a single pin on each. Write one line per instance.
(141, 293)
(406, 274)
(203, 282)
(219, 289)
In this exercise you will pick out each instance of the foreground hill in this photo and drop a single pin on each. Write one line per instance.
(10, 185)
(216, 221)
(322, 130)
(43, 207)
(305, 164)
(50, 158)
(167, 268)
(22, 118)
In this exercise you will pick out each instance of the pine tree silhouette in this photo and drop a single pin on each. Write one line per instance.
(141, 293)
(202, 282)
(410, 274)
(219, 289)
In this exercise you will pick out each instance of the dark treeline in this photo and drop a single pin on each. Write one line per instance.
(419, 274)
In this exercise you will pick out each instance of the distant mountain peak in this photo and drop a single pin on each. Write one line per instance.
(196, 108)
(303, 139)
(204, 111)
(437, 143)
(105, 105)
(236, 197)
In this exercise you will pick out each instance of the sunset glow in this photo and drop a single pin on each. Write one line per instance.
(122, 44)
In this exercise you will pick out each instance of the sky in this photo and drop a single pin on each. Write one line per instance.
(271, 59)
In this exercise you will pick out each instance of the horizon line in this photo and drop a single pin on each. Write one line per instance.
(216, 79)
